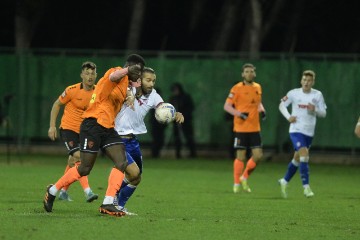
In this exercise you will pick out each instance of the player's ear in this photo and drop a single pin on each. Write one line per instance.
(254, 74)
(242, 74)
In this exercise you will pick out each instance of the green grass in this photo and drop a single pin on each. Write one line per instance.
(182, 199)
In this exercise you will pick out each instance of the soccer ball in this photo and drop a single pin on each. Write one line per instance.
(165, 113)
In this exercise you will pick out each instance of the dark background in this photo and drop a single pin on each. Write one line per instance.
(323, 26)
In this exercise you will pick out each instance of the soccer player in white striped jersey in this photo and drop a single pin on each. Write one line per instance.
(307, 104)
(130, 122)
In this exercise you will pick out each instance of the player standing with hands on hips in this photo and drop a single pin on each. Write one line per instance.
(244, 103)
(307, 104)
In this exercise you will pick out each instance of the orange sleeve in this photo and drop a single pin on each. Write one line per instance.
(104, 104)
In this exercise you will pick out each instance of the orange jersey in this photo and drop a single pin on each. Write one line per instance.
(76, 100)
(107, 99)
(246, 98)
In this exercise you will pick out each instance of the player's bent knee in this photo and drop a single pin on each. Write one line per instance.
(121, 166)
(135, 181)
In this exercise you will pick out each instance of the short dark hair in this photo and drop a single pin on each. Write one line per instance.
(148, 70)
(88, 65)
(135, 59)
(248, 65)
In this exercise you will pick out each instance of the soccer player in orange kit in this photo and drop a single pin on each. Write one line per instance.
(76, 99)
(244, 103)
(97, 131)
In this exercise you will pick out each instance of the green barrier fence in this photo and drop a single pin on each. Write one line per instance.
(36, 79)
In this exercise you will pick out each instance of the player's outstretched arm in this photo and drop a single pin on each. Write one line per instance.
(117, 75)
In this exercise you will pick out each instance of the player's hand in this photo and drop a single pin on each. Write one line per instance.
(136, 83)
(263, 116)
(311, 107)
(292, 119)
(244, 115)
(130, 99)
(52, 133)
(179, 118)
(134, 72)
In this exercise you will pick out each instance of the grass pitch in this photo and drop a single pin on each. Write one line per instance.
(181, 199)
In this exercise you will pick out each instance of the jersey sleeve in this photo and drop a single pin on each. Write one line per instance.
(287, 99)
(321, 104)
(230, 97)
(66, 96)
(157, 99)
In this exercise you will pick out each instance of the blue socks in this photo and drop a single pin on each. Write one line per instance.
(304, 170)
(291, 170)
(125, 193)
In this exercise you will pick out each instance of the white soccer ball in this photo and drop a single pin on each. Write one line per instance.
(165, 113)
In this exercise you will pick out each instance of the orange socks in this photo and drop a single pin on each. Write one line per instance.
(114, 182)
(69, 177)
(84, 181)
(238, 169)
(250, 167)
(65, 188)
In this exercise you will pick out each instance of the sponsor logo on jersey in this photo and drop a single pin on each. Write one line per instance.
(303, 106)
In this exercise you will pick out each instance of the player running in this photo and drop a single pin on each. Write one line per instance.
(76, 99)
(307, 104)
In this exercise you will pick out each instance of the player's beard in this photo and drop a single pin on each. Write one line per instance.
(250, 80)
(146, 90)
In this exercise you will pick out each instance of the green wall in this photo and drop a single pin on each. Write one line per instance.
(37, 80)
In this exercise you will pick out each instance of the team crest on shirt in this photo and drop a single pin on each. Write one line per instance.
(63, 94)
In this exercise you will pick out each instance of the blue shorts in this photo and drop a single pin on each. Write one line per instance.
(133, 153)
(300, 140)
